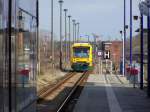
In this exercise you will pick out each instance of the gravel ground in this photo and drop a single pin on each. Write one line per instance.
(51, 76)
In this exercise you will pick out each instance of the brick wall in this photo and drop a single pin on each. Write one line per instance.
(116, 52)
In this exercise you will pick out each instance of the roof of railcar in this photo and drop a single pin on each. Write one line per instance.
(81, 44)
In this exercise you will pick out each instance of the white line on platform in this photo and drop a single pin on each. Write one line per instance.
(114, 105)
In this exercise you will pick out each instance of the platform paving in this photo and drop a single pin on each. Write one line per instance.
(111, 93)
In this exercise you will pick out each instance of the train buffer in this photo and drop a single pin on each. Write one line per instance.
(111, 93)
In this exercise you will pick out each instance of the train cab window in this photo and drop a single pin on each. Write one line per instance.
(81, 52)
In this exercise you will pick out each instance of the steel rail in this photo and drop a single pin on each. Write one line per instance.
(48, 90)
(80, 80)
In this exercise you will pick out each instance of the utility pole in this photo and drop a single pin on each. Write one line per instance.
(60, 2)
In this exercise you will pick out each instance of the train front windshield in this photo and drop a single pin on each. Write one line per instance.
(81, 52)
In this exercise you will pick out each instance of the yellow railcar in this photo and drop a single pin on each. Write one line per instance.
(81, 56)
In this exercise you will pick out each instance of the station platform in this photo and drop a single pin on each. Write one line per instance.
(111, 93)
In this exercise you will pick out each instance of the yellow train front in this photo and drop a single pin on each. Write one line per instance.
(81, 57)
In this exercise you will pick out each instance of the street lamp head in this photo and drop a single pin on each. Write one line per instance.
(138, 30)
(73, 20)
(147, 1)
(135, 17)
(121, 32)
(69, 16)
(60, 1)
(65, 10)
(126, 26)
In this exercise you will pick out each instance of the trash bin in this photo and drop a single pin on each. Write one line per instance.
(137, 66)
(128, 72)
(133, 76)
(24, 76)
(121, 67)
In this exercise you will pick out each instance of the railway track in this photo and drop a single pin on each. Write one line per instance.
(51, 87)
(54, 99)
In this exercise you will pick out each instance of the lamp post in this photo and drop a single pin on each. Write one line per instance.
(142, 51)
(60, 2)
(80, 38)
(73, 30)
(148, 46)
(52, 36)
(144, 7)
(95, 44)
(123, 53)
(88, 37)
(131, 33)
(69, 36)
(9, 55)
(38, 43)
(75, 34)
(78, 31)
(65, 10)
(124, 39)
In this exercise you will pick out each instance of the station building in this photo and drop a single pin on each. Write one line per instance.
(18, 55)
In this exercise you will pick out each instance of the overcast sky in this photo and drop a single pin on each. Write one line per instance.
(102, 17)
